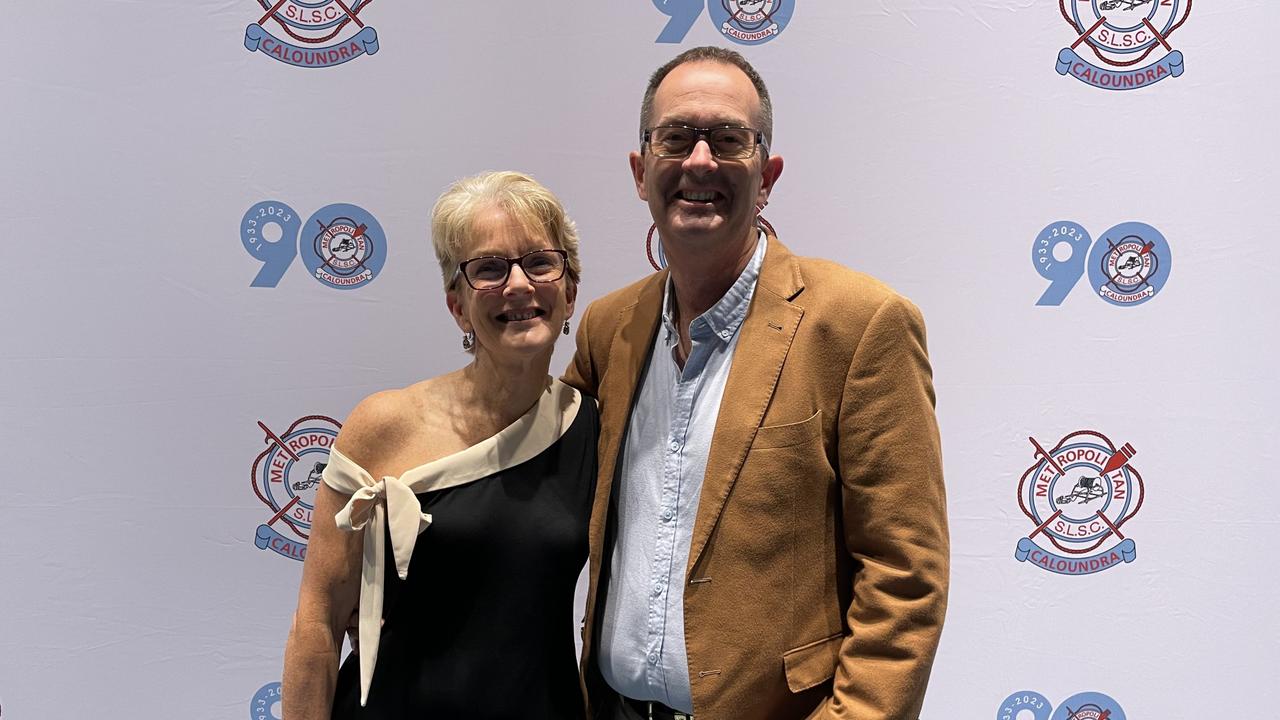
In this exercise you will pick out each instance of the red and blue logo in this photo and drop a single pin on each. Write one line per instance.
(1081, 706)
(285, 476)
(746, 22)
(1129, 37)
(321, 34)
(1078, 495)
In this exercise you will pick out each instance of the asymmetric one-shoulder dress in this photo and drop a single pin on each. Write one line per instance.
(482, 626)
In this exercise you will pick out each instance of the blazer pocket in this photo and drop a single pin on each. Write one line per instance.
(796, 433)
(812, 664)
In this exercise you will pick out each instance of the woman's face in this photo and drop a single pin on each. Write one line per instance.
(522, 317)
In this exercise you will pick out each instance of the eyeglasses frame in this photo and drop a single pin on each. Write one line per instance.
(646, 139)
(462, 268)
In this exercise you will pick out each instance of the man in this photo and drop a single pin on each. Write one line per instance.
(768, 539)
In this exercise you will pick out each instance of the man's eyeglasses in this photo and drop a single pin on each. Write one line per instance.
(490, 272)
(726, 142)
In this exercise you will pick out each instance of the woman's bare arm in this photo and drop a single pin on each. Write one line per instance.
(328, 596)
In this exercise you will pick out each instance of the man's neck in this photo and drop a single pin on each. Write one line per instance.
(702, 278)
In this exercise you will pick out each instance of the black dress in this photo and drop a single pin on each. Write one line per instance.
(482, 628)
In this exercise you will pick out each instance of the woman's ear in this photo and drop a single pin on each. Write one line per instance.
(570, 297)
(453, 298)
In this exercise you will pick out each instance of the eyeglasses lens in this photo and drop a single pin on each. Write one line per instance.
(726, 143)
(488, 273)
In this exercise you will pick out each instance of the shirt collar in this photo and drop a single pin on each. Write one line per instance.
(725, 317)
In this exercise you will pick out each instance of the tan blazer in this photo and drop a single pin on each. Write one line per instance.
(817, 576)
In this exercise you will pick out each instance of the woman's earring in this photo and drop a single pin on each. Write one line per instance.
(648, 248)
(468, 340)
(566, 327)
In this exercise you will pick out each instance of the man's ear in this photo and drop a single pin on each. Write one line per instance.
(637, 173)
(768, 176)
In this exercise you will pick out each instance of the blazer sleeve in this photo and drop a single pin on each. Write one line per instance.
(895, 522)
(581, 372)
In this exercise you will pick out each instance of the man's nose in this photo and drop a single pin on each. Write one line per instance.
(700, 161)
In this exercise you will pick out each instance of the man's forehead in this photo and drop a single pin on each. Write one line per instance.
(711, 93)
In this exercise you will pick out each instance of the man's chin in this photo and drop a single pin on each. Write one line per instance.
(696, 226)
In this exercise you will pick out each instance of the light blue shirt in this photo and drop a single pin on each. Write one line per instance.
(642, 651)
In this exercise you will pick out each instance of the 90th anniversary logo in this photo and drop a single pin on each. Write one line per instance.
(1127, 266)
(1081, 706)
(285, 477)
(342, 245)
(265, 703)
(1078, 495)
(313, 24)
(1123, 35)
(746, 22)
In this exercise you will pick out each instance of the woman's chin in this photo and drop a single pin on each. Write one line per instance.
(524, 341)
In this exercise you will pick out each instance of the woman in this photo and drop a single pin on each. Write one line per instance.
(480, 480)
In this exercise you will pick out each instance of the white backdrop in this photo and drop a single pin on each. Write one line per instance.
(927, 142)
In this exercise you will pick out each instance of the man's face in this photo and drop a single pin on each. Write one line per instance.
(703, 202)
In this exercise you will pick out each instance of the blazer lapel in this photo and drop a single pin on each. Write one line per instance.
(627, 357)
(767, 332)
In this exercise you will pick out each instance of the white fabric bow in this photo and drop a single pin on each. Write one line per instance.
(373, 505)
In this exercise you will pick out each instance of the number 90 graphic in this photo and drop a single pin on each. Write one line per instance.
(342, 246)
(747, 22)
(1028, 705)
(265, 703)
(1127, 265)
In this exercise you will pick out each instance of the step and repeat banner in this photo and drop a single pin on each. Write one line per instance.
(217, 224)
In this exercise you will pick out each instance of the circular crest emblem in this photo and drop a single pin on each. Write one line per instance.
(1123, 33)
(307, 25)
(751, 22)
(347, 247)
(1089, 706)
(285, 476)
(1078, 495)
(1029, 705)
(1130, 263)
(313, 22)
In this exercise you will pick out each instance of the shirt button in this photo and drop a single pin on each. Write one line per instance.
(657, 589)
(724, 334)
(653, 658)
(674, 446)
(668, 514)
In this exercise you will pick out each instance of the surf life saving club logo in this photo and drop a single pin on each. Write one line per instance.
(1127, 265)
(1124, 35)
(1081, 706)
(746, 22)
(342, 245)
(1078, 496)
(285, 476)
(313, 24)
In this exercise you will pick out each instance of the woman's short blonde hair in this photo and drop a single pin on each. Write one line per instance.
(523, 199)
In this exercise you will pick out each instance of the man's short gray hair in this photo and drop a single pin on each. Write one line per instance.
(710, 53)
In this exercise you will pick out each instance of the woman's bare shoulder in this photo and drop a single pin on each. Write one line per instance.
(386, 423)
